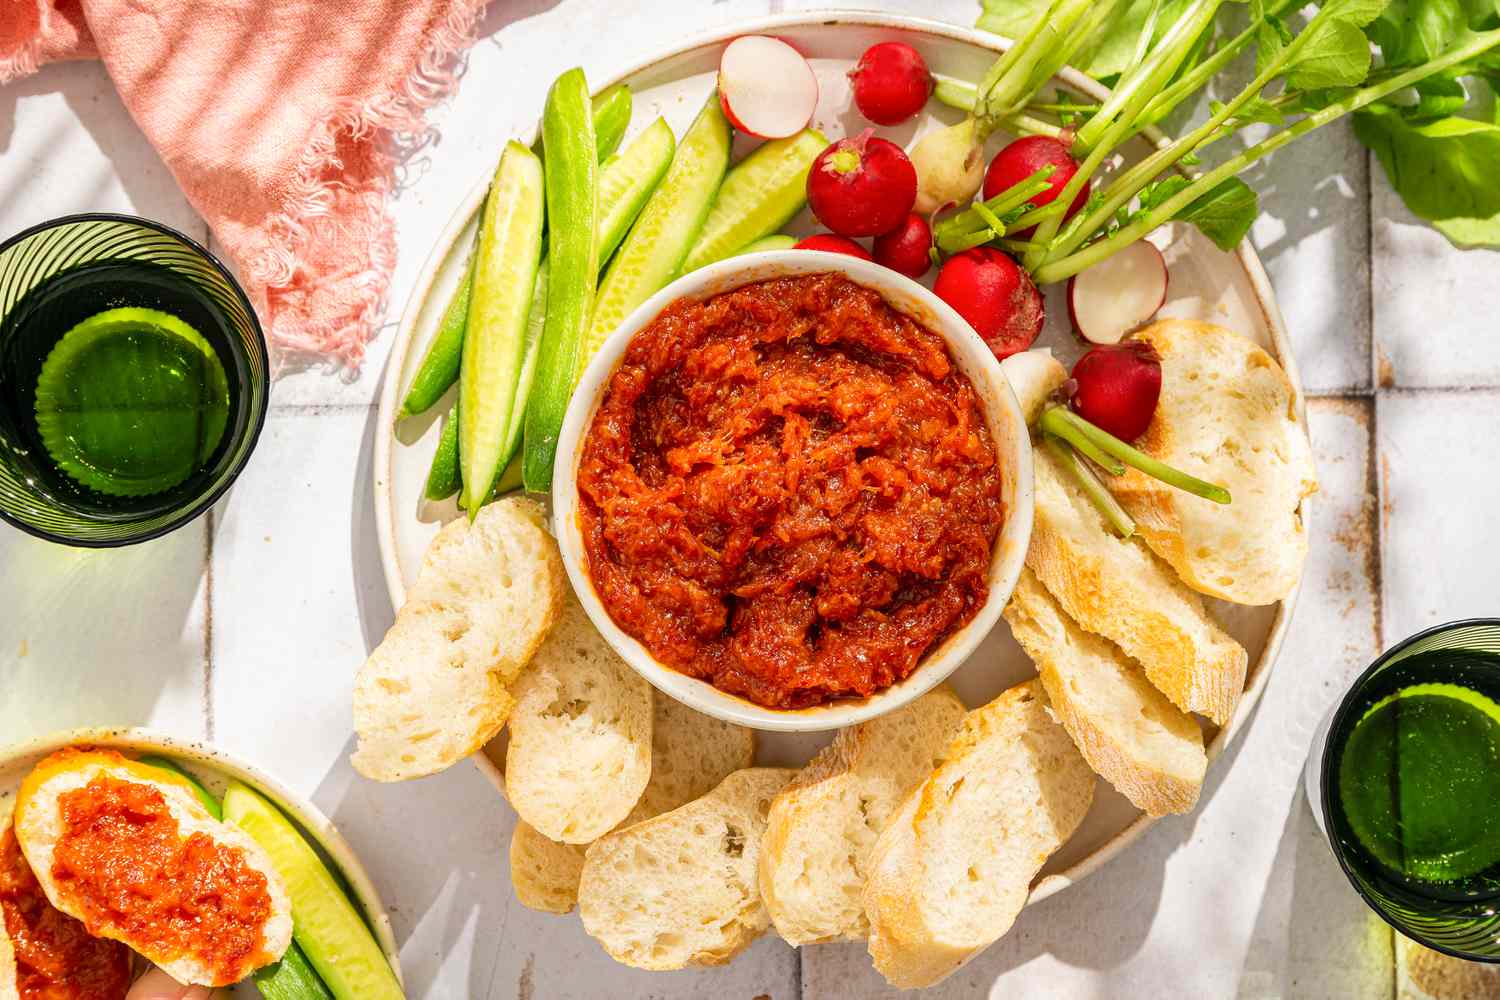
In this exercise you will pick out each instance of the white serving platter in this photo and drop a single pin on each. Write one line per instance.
(1205, 283)
(213, 768)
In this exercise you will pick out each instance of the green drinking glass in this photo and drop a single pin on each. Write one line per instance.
(1409, 787)
(133, 380)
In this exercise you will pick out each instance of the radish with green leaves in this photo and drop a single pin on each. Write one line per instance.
(1116, 388)
(862, 186)
(998, 299)
(890, 83)
(1019, 160)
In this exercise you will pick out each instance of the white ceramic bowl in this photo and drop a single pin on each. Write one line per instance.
(213, 768)
(1002, 413)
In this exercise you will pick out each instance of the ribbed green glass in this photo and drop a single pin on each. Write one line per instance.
(1410, 772)
(101, 262)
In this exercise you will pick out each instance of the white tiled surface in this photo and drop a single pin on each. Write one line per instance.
(248, 626)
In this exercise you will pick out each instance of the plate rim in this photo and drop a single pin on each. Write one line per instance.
(1245, 254)
(208, 754)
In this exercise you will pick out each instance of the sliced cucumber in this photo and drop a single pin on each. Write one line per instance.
(439, 368)
(758, 197)
(535, 322)
(510, 249)
(660, 239)
(204, 796)
(325, 924)
(572, 268)
(776, 241)
(510, 480)
(611, 110)
(626, 182)
(442, 478)
(292, 978)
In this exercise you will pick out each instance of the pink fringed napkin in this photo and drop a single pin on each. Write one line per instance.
(280, 120)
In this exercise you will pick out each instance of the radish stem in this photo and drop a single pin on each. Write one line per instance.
(1109, 508)
(1055, 424)
(1113, 446)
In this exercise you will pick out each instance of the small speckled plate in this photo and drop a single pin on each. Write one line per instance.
(213, 768)
(1230, 289)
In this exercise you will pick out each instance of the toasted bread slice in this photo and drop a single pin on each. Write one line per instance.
(690, 754)
(1137, 740)
(1116, 588)
(823, 824)
(580, 734)
(1227, 414)
(953, 868)
(42, 823)
(436, 689)
(681, 889)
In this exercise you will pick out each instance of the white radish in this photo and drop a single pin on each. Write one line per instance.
(157, 985)
(1033, 376)
(1118, 294)
(950, 166)
(765, 87)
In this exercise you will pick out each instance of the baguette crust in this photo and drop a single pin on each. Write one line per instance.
(824, 823)
(953, 868)
(1227, 414)
(1129, 733)
(8, 990)
(1116, 588)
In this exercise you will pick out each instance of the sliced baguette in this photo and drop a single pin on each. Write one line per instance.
(580, 734)
(8, 988)
(951, 871)
(822, 826)
(1116, 588)
(681, 889)
(1227, 414)
(436, 689)
(1137, 740)
(40, 825)
(690, 754)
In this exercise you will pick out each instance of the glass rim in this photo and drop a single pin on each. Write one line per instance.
(253, 428)
(1326, 778)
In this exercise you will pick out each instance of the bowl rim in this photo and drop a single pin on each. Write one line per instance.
(969, 353)
(253, 429)
(208, 755)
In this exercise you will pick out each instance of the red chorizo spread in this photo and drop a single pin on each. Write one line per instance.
(789, 491)
(56, 959)
(122, 861)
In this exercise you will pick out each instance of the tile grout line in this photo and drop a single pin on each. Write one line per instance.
(208, 624)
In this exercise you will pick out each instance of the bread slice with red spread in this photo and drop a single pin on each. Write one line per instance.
(8, 990)
(98, 828)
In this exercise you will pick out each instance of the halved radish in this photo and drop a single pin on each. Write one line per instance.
(1118, 294)
(765, 87)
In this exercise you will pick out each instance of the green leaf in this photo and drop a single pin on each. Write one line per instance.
(1438, 97)
(1256, 109)
(1224, 214)
(1333, 53)
(1011, 18)
(1413, 31)
(1270, 38)
(1445, 170)
(1158, 192)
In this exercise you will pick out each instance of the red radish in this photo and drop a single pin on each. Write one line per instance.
(1118, 294)
(766, 88)
(907, 248)
(995, 295)
(862, 186)
(1117, 387)
(829, 243)
(891, 83)
(1026, 156)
